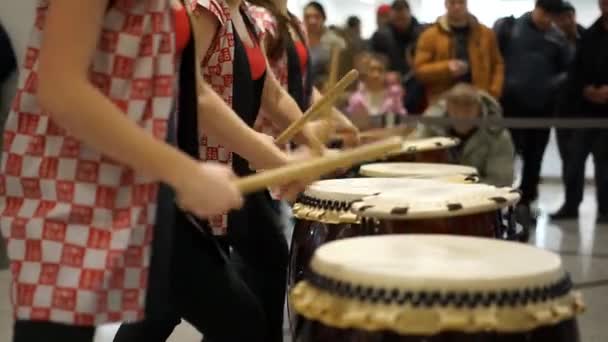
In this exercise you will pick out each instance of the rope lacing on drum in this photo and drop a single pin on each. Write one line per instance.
(324, 204)
(501, 298)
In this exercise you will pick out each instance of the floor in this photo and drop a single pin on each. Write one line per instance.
(583, 246)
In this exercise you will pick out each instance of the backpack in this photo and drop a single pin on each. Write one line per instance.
(504, 31)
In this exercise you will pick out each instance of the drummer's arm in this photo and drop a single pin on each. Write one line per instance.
(284, 110)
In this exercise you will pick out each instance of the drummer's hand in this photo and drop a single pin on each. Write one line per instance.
(290, 192)
(322, 128)
(207, 189)
(348, 130)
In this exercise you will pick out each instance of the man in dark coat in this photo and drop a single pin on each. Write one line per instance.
(588, 90)
(397, 41)
(537, 56)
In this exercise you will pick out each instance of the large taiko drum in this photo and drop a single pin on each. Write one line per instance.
(428, 150)
(435, 288)
(342, 208)
(446, 172)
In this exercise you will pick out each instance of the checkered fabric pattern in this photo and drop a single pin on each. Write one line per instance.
(217, 68)
(79, 225)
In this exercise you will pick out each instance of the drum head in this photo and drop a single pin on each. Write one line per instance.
(416, 170)
(354, 189)
(330, 200)
(428, 144)
(434, 199)
(423, 284)
(438, 262)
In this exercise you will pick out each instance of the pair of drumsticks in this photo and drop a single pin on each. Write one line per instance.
(316, 167)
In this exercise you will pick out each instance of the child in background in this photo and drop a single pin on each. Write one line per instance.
(378, 102)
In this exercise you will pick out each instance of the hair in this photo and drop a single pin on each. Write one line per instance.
(567, 7)
(372, 56)
(276, 45)
(399, 5)
(317, 6)
(551, 6)
(463, 94)
(353, 21)
(378, 57)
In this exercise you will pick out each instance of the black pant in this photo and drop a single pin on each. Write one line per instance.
(30, 331)
(564, 137)
(530, 144)
(260, 247)
(238, 301)
(583, 143)
(207, 291)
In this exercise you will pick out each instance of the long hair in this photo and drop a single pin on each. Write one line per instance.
(276, 45)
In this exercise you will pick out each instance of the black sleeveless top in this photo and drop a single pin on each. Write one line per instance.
(300, 92)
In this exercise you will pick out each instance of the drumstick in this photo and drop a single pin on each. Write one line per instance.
(334, 67)
(317, 167)
(318, 108)
(332, 79)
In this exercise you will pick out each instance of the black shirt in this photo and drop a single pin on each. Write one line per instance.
(590, 68)
(461, 49)
(8, 64)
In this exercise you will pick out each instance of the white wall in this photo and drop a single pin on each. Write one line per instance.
(428, 10)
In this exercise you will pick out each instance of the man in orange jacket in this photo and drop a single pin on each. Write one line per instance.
(458, 48)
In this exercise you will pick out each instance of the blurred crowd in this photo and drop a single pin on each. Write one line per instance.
(539, 65)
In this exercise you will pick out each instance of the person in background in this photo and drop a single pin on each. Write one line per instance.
(321, 41)
(588, 89)
(8, 65)
(397, 41)
(383, 16)
(353, 34)
(566, 107)
(458, 48)
(537, 56)
(378, 101)
(395, 38)
(566, 21)
(489, 149)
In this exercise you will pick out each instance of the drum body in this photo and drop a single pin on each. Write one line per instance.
(344, 208)
(441, 156)
(312, 331)
(439, 288)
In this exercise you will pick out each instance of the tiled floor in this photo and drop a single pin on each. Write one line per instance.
(583, 246)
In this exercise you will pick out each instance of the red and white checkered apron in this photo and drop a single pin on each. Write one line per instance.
(217, 68)
(78, 225)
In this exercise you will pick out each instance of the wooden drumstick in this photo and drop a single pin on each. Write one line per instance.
(317, 167)
(332, 79)
(334, 67)
(318, 108)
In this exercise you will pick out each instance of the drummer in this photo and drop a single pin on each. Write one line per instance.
(489, 149)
